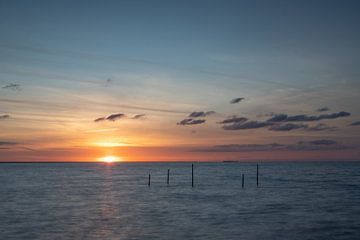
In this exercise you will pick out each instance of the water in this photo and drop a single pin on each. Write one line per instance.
(101, 201)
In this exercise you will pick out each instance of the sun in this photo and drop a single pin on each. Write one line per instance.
(109, 159)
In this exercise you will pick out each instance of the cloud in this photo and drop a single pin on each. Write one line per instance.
(274, 123)
(200, 114)
(357, 123)
(12, 86)
(233, 119)
(246, 125)
(5, 116)
(6, 143)
(321, 127)
(116, 116)
(323, 109)
(292, 126)
(305, 118)
(236, 100)
(287, 127)
(100, 119)
(278, 118)
(112, 117)
(138, 116)
(326, 142)
(190, 121)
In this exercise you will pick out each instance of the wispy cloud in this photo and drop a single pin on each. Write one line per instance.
(287, 127)
(7, 143)
(200, 114)
(112, 117)
(320, 142)
(139, 116)
(357, 123)
(321, 127)
(305, 118)
(190, 121)
(233, 119)
(246, 125)
(117, 116)
(12, 86)
(236, 100)
(323, 109)
(5, 116)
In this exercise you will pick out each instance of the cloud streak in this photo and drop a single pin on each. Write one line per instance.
(323, 109)
(12, 86)
(246, 125)
(6, 143)
(5, 116)
(190, 121)
(138, 116)
(357, 123)
(236, 100)
(234, 119)
(200, 114)
(117, 116)
(305, 118)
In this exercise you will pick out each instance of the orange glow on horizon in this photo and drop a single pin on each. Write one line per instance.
(109, 159)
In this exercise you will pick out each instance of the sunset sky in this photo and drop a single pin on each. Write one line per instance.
(179, 81)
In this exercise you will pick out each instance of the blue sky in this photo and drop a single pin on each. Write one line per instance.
(75, 61)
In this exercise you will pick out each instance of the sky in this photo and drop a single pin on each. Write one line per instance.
(179, 80)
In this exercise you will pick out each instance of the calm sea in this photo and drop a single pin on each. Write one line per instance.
(102, 201)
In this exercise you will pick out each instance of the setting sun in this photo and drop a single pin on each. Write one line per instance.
(109, 159)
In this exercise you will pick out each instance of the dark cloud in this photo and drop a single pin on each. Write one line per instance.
(200, 114)
(100, 119)
(138, 116)
(233, 119)
(357, 123)
(236, 100)
(323, 109)
(246, 125)
(320, 142)
(321, 127)
(6, 143)
(112, 117)
(116, 116)
(5, 116)
(287, 127)
(278, 118)
(12, 86)
(292, 126)
(305, 118)
(190, 121)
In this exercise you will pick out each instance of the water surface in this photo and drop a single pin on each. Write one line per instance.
(102, 201)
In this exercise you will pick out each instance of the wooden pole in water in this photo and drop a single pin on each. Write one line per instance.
(149, 180)
(192, 175)
(168, 177)
(257, 175)
(242, 181)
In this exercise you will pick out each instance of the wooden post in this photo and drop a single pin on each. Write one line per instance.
(242, 181)
(257, 175)
(168, 177)
(192, 175)
(149, 180)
